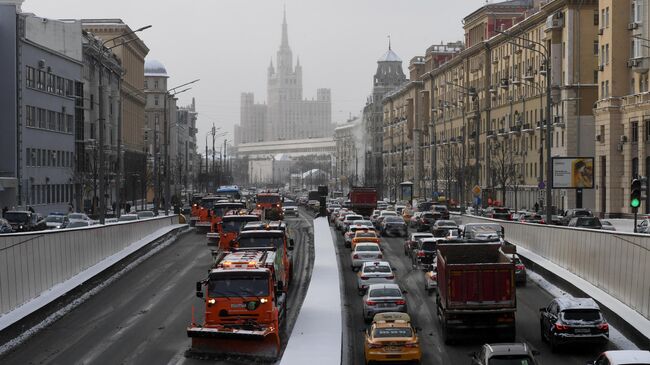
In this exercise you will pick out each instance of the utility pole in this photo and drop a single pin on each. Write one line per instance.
(166, 156)
(214, 151)
(118, 174)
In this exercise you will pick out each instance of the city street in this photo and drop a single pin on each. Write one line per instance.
(423, 313)
(141, 318)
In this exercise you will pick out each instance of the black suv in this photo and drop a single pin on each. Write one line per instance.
(24, 221)
(505, 353)
(573, 320)
(423, 253)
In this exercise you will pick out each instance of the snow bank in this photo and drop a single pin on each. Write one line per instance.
(316, 336)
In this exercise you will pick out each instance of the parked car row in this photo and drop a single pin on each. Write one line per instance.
(27, 221)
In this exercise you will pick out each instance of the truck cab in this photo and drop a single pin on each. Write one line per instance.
(271, 205)
(244, 306)
(274, 240)
(218, 210)
(229, 228)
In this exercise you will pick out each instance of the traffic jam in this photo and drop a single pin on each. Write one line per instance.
(246, 288)
(468, 274)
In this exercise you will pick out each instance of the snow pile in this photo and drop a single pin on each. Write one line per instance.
(316, 336)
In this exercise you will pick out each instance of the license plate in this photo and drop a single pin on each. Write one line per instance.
(238, 306)
(583, 330)
(385, 305)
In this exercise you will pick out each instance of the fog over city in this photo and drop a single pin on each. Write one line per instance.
(228, 44)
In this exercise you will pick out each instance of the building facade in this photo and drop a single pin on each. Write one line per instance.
(350, 154)
(623, 109)
(131, 51)
(44, 59)
(479, 114)
(389, 76)
(286, 115)
(184, 150)
(101, 70)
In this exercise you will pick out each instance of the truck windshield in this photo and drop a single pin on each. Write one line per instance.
(268, 199)
(233, 226)
(238, 286)
(16, 217)
(260, 242)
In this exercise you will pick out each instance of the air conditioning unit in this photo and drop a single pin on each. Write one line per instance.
(41, 63)
(619, 147)
(633, 62)
(623, 139)
(600, 31)
(632, 26)
(599, 138)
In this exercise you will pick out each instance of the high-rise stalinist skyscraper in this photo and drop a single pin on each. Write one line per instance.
(286, 116)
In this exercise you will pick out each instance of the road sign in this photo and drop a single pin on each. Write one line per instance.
(477, 190)
(541, 185)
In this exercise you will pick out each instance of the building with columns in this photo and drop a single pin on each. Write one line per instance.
(623, 109)
(286, 114)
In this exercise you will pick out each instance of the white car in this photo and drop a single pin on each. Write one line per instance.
(365, 252)
(374, 272)
(290, 210)
(623, 357)
(347, 221)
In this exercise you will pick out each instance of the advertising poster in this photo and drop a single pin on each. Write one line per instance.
(573, 173)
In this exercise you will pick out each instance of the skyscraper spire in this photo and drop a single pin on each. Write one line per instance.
(389, 43)
(285, 34)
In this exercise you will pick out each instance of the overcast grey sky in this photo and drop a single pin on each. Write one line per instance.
(228, 44)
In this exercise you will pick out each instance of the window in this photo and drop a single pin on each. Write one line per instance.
(31, 77)
(646, 124)
(156, 100)
(92, 101)
(40, 82)
(155, 85)
(69, 88)
(146, 84)
(59, 122)
(60, 86)
(596, 47)
(607, 88)
(30, 116)
(637, 11)
(28, 157)
(595, 16)
(607, 17)
(51, 120)
(51, 81)
(69, 123)
(607, 54)
(636, 48)
(635, 131)
(602, 55)
(596, 77)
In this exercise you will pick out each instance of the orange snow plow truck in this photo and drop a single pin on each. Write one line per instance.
(271, 204)
(245, 306)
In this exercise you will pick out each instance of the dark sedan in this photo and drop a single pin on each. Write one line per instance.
(392, 225)
(426, 220)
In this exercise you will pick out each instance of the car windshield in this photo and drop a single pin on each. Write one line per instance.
(446, 224)
(367, 248)
(54, 219)
(351, 217)
(582, 213)
(387, 214)
(385, 292)
(259, 242)
(511, 360)
(222, 286)
(76, 216)
(501, 210)
(440, 208)
(16, 217)
(587, 315)
(394, 220)
(588, 222)
(366, 235)
(77, 224)
(376, 269)
(428, 246)
(427, 215)
(393, 332)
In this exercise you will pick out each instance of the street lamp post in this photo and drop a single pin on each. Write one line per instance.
(547, 68)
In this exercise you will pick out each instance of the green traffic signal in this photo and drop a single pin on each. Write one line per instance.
(635, 203)
(635, 195)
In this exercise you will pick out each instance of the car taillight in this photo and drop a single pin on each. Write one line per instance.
(509, 217)
(561, 327)
(420, 253)
(355, 256)
(603, 327)
(364, 277)
(520, 267)
(370, 302)
(542, 221)
(400, 302)
(390, 277)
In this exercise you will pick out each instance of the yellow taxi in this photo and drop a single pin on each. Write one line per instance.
(366, 235)
(391, 337)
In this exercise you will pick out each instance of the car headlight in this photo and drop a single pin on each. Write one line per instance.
(57, 227)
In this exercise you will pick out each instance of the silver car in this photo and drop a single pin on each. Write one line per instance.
(383, 298)
(364, 252)
(374, 272)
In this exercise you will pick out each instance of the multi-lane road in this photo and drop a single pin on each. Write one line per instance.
(141, 317)
(422, 309)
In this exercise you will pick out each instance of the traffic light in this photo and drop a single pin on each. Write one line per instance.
(635, 195)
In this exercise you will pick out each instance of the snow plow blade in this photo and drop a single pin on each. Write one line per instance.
(257, 344)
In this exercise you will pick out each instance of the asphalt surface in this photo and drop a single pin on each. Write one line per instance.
(141, 318)
(422, 310)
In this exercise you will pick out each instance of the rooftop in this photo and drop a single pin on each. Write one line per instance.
(154, 68)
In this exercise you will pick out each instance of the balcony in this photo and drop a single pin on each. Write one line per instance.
(609, 103)
(490, 134)
(527, 128)
(635, 100)
(515, 130)
(558, 121)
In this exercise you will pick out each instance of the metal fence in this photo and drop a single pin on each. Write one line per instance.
(31, 263)
(617, 263)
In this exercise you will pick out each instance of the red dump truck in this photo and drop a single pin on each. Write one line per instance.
(363, 200)
(476, 291)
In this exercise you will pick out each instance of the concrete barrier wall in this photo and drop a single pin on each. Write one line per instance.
(617, 263)
(31, 263)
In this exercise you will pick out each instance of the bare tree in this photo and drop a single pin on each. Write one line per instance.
(503, 165)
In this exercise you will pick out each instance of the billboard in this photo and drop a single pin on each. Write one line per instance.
(573, 173)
